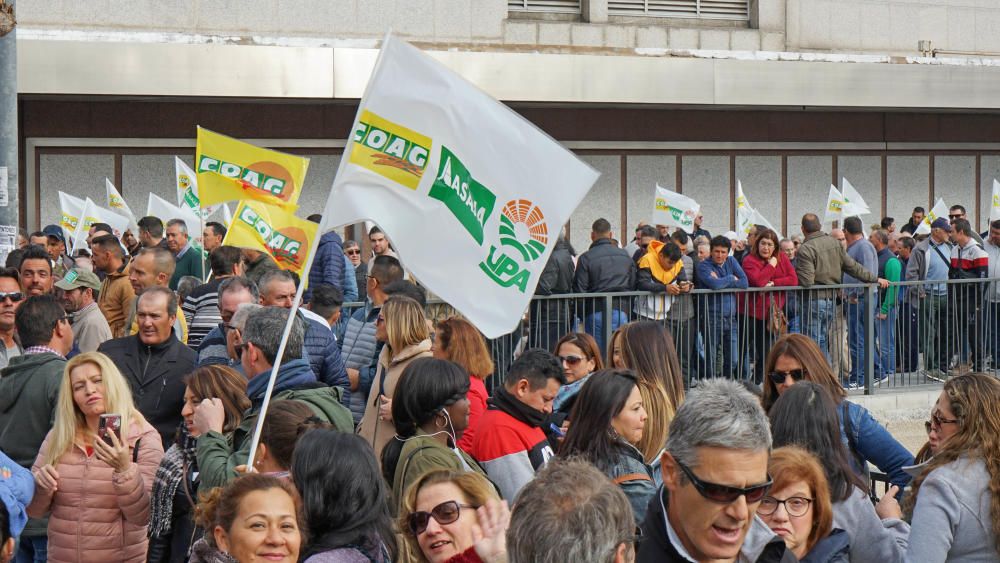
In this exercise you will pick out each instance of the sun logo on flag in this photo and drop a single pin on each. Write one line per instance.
(521, 219)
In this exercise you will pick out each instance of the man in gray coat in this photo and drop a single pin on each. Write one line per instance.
(80, 291)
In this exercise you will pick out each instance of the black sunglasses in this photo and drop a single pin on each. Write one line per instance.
(724, 494)
(445, 513)
(778, 377)
(14, 296)
(570, 360)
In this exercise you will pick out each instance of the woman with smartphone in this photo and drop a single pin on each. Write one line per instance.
(95, 469)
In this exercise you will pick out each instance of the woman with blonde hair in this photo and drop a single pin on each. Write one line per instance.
(799, 509)
(794, 358)
(457, 340)
(97, 489)
(956, 500)
(454, 516)
(402, 326)
(648, 350)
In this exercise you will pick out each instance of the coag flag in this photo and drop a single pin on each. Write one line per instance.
(230, 170)
(854, 204)
(472, 194)
(187, 189)
(165, 211)
(70, 211)
(995, 205)
(269, 229)
(747, 216)
(834, 206)
(118, 205)
(92, 213)
(940, 209)
(674, 210)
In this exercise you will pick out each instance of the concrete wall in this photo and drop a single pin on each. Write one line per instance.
(857, 26)
(705, 177)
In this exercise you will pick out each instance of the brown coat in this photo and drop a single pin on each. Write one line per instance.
(115, 300)
(96, 514)
(379, 432)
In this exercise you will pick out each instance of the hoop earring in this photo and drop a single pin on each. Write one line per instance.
(440, 424)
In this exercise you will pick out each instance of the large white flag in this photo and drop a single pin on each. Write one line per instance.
(940, 209)
(165, 211)
(674, 210)
(472, 195)
(93, 213)
(187, 191)
(854, 204)
(834, 206)
(118, 204)
(70, 211)
(995, 202)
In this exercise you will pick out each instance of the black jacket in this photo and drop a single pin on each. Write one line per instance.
(156, 376)
(604, 268)
(557, 277)
(655, 546)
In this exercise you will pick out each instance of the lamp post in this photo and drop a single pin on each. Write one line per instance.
(8, 129)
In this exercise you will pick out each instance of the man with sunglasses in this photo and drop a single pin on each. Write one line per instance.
(353, 252)
(29, 388)
(714, 477)
(10, 299)
(957, 212)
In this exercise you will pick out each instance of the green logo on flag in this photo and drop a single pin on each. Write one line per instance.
(471, 202)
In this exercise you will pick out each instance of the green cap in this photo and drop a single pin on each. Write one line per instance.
(78, 277)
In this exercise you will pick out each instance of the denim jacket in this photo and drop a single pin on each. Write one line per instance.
(874, 444)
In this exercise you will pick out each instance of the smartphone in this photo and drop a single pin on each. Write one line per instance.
(107, 424)
(557, 430)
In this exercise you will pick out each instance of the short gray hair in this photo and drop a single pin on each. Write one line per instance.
(718, 413)
(272, 276)
(178, 223)
(264, 329)
(243, 312)
(167, 294)
(236, 283)
(570, 511)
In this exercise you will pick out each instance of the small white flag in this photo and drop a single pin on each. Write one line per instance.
(674, 210)
(854, 204)
(118, 204)
(92, 213)
(940, 209)
(472, 194)
(165, 211)
(70, 211)
(995, 205)
(834, 206)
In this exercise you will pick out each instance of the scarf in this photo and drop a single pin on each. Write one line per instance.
(502, 400)
(169, 476)
(202, 552)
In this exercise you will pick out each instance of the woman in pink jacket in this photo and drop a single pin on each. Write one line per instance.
(765, 266)
(98, 494)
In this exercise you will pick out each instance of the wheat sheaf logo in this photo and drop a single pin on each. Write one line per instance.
(523, 215)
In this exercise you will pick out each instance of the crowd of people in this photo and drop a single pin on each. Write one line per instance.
(933, 299)
(131, 389)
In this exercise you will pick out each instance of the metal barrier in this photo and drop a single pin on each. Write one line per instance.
(912, 333)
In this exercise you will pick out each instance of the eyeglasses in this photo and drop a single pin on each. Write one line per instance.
(239, 348)
(445, 513)
(724, 494)
(570, 360)
(927, 426)
(226, 327)
(937, 421)
(352, 252)
(794, 506)
(14, 296)
(779, 377)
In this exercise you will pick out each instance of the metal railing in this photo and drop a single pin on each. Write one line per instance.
(913, 333)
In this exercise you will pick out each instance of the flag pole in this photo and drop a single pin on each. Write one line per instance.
(255, 441)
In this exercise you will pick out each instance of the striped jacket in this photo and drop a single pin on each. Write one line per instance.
(969, 261)
(201, 311)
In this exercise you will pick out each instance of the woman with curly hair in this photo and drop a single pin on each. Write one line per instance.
(956, 500)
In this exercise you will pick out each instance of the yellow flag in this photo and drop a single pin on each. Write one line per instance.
(269, 229)
(230, 170)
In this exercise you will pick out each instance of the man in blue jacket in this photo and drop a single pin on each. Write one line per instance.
(331, 266)
(277, 288)
(720, 272)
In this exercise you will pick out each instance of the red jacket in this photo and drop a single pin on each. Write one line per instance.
(477, 406)
(758, 274)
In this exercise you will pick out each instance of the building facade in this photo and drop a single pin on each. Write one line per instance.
(901, 97)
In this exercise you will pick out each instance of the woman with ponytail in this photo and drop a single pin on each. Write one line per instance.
(286, 420)
(430, 413)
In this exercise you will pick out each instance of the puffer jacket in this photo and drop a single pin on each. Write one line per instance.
(375, 431)
(604, 268)
(324, 354)
(328, 266)
(359, 347)
(98, 515)
(115, 300)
